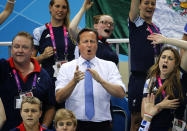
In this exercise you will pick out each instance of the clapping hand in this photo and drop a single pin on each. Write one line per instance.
(78, 75)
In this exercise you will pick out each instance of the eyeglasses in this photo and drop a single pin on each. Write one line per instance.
(107, 23)
(65, 123)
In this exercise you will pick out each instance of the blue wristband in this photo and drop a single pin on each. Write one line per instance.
(44, 126)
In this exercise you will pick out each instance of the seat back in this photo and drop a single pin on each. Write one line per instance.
(120, 114)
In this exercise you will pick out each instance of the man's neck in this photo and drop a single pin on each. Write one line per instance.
(25, 68)
(56, 23)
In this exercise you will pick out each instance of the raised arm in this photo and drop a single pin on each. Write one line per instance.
(134, 9)
(158, 38)
(73, 27)
(7, 11)
(2, 114)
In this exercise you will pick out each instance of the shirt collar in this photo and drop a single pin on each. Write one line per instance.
(37, 67)
(92, 61)
(22, 128)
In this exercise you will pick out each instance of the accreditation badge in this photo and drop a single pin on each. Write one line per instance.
(57, 66)
(178, 125)
(18, 99)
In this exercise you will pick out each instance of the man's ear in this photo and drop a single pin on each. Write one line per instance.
(40, 113)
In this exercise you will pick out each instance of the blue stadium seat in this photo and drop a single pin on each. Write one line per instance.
(120, 114)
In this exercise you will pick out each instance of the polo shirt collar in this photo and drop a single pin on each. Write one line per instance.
(37, 67)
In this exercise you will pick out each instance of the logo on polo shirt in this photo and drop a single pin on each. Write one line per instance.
(48, 35)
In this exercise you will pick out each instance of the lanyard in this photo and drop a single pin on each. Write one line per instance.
(54, 43)
(160, 85)
(151, 32)
(18, 82)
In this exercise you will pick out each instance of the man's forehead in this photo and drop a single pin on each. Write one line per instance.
(29, 105)
(21, 40)
(87, 33)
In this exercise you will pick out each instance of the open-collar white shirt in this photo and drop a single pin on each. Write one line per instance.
(76, 101)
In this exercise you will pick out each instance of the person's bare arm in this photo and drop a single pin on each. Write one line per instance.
(134, 9)
(2, 114)
(7, 11)
(158, 38)
(73, 27)
(181, 49)
(48, 116)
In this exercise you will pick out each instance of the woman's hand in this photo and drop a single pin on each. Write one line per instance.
(168, 104)
(157, 38)
(48, 52)
(149, 105)
(87, 4)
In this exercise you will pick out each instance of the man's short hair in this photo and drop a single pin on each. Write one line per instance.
(31, 100)
(86, 30)
(64, 114)
(26, 35)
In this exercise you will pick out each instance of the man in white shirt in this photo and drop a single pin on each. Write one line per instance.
(70, 84)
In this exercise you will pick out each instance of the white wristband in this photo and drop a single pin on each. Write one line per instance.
(148, 115)
(11, 2)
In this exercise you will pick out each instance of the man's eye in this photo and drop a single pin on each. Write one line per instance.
(163, 57)
(33, 110)
(92, 41)
(16, 46)
(26, 110)
(25, 47)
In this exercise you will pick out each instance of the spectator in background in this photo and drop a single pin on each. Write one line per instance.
(104, 25)
(7, 11)
(65, 120)
(20, 76)
(52, 40)
(2, 114)
(142, 54)
(31, 111)
(89, 97)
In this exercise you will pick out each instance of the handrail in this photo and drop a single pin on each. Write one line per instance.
(5, 43)
(9, 44)
(117, 41)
